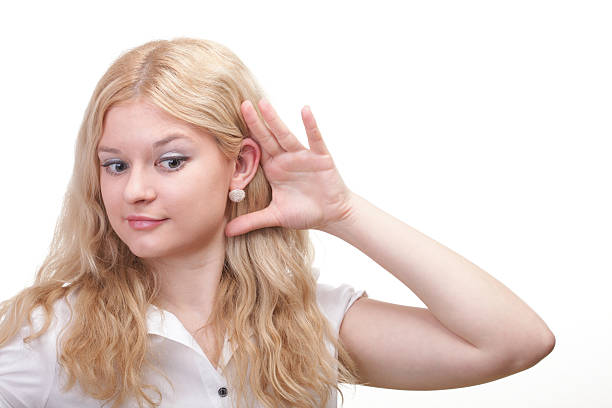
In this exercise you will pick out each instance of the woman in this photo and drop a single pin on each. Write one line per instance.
(180, 271)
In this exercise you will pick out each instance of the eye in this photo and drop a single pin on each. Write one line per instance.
(108, 166)
(116, 167)
(174, 163)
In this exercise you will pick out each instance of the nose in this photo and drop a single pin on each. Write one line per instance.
(138, 187)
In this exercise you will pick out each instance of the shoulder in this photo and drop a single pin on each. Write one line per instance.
(28, 370)
(335, 300)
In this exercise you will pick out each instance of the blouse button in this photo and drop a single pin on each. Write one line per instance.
(222, 391)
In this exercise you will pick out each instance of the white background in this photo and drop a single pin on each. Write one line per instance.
(483, 124)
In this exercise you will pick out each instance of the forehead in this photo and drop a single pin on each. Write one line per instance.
(139, 117)
(141, 123)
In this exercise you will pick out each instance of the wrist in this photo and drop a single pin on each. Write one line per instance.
(347, 220)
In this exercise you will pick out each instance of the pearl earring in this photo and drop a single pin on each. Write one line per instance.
(237, 195)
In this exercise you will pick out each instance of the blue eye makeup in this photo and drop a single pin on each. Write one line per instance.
(116, 167)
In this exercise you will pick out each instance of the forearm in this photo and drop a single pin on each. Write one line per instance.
(464, 298)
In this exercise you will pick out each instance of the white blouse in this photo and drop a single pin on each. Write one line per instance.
(30, 376)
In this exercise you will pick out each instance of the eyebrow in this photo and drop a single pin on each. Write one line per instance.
(157, 144)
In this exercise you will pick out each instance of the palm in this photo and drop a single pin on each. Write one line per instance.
(307, 190)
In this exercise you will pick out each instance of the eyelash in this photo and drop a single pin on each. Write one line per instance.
(182, 159)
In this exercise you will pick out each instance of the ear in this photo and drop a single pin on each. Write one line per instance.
(246, 164)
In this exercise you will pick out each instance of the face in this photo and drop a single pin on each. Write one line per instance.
(154, 165)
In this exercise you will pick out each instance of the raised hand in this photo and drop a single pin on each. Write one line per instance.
(307, 190)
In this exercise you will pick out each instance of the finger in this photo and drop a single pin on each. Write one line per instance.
(285, 138)
(315, 140)
(259, 131)
(249, 222)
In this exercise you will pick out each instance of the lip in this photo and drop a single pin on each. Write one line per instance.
(143, 222)
(136, 217)
(139, 224)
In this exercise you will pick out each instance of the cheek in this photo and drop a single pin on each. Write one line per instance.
(201, 199)
(111, 197)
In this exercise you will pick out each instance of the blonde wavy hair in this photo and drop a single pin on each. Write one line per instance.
(267, 287)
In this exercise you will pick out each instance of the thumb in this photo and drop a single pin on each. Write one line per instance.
(249, 222)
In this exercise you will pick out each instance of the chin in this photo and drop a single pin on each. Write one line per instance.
(149, 251)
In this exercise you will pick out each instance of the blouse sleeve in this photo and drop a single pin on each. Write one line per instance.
(27, 371)
(334, 301)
